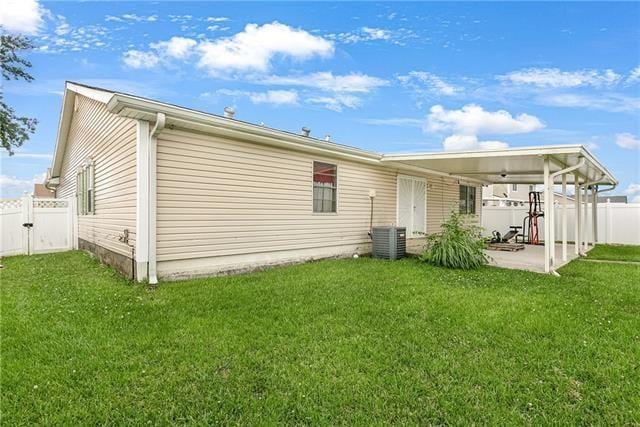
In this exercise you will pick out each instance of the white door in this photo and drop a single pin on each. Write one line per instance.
(412, 204)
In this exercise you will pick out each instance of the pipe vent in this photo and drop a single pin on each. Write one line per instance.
(306, 131)
(229, 112)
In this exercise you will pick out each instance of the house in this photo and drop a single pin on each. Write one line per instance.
(42, 192)
(166, 192)
(515, 194)
(613, 199)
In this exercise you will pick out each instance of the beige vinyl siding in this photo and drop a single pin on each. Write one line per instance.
(111, 141)
(221, 197)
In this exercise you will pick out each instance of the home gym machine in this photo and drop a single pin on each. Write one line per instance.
(530, 223)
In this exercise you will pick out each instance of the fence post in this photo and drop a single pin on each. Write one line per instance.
(73, 222)
(607, 223)
(26, 202)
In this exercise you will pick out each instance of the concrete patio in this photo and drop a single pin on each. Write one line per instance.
(531, 258)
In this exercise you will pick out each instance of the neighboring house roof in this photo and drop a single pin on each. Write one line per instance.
(612, 199)
(514, 165)
(39, 190)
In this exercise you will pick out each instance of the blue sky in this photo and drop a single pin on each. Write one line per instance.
(390, 77)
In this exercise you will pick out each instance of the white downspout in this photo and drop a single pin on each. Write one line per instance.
(153, 150)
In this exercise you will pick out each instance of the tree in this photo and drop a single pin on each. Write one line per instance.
(14, 130)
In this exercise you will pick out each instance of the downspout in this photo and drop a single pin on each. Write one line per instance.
(153, 142)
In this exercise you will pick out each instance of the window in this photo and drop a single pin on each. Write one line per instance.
(85, 195)
(514, 187)
(325, 187)
(467, 199)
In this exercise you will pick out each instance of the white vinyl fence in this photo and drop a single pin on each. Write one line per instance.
(617, 222)
(32, 226)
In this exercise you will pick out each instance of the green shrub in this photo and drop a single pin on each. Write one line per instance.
(459, 245)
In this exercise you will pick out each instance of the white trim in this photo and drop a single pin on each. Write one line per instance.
(547, 217)
(564, 217)
(142, 200)
(89, 92)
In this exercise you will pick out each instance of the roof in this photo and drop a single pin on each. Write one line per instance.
(510, 165)
(613, 199)
(515, 165)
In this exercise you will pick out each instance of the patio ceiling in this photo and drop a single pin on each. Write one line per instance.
(512, 165)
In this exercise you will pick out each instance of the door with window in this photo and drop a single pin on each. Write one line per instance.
(412, 204)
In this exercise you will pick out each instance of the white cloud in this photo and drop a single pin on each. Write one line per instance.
(365, 34)
(22, 16)
(633, 191)
(556, 78)
(606, 101)
(628, 141)
(10, 186)
(634, 76)
(337, 102)
(63, 27)
(349, 83)
(140, 60)
(255, 48)
(176, 47)
(424, 84)
(217, 19)
(273, 97)
(131, 17)
(458, 142)
(394, 121)
(376, 33)
(337, 92)
(473, 119)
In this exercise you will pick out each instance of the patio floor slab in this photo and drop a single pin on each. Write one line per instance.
(530, 259)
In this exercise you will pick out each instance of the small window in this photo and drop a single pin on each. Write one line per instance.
(467, 199)
(325, 187)
(85, 195)
(514, 187)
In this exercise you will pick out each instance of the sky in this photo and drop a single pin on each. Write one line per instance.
(388, 77)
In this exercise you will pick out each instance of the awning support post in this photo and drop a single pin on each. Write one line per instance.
(547, 219)
(594, 213)
(564, 218)
(585, 208)
(576, 204)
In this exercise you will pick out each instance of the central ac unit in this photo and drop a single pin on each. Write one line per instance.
(389, 242)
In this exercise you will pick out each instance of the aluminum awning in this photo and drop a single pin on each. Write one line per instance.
(511, 165)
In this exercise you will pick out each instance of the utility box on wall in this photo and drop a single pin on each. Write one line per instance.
(389, 242)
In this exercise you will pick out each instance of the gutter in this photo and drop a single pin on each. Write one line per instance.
(161, 120)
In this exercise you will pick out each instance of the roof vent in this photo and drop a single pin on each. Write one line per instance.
(306, 131)
(229, 112)
(327, 138)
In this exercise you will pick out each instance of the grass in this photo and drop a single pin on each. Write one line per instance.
(615, 253)
(354, 342)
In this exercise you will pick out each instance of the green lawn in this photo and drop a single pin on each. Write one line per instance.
(615, 252)
(335, 342)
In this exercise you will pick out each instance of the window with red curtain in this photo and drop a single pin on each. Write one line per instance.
(325, 187)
